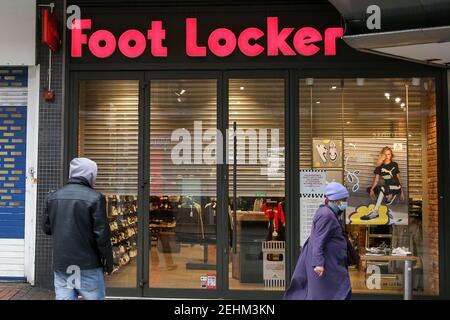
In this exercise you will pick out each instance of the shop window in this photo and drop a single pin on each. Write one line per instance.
(183, 215)
(108, 134)
(257, 232)
(344, 126)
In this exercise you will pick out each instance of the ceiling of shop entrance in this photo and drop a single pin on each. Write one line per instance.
(416, 30)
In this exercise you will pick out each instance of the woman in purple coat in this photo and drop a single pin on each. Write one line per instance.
(321, 272)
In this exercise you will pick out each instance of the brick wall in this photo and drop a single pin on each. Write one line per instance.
(50, 148)
(432, 245)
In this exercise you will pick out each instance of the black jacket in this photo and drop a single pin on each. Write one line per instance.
(75, 216)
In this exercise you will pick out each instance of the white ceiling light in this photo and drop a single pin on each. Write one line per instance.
(333, 87)
(242, 88)
(398, 99)
(402, 104)
(387, 95)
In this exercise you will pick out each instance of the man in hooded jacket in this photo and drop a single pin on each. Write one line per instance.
(75, 217)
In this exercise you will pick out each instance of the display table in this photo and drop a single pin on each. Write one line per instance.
(408, 260)
(251, 216)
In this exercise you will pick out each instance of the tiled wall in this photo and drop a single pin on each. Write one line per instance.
(50, 149)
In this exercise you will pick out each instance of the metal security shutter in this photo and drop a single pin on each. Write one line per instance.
(13, 120)
(108, 132)
(178, 106)
(257, 104)
(339, 109)
(417, 144)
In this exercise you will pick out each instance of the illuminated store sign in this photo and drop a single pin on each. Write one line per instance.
(221, 42)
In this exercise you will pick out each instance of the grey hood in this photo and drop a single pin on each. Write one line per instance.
(83, 167)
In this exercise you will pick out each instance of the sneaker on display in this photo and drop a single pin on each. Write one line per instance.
(133, 253)
(333, 152)
(322, 152)
(373, 214)
(401, 251)
(396, 221)
(378, 251)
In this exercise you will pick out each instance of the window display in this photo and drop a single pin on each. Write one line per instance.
(380, 197)
(387, 128)
(122, 217)
(183, 200)
(108, 134)
(327, 153)
(381, 148)
(257, 212)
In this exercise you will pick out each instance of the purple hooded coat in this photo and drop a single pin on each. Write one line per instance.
(325, 247)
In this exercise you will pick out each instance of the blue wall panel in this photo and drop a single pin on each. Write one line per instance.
(13, 133)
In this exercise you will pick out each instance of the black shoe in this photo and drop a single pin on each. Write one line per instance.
(370, 216)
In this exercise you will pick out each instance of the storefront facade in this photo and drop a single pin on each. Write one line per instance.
(19, 110)
(151, 93)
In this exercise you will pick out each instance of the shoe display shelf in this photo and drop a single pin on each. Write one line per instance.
(122, 218)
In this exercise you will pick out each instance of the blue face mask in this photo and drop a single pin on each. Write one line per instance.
(343, 205)
(338, 208)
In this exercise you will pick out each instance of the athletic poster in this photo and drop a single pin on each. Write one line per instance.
(387, 202)
(327, 153)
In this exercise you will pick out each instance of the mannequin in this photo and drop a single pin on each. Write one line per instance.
(274, 211)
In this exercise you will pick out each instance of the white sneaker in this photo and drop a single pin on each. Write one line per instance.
(322, 152)
(400, 251)
(394, 222)
(333, 152)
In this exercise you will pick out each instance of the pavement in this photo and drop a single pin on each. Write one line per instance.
(23, 291)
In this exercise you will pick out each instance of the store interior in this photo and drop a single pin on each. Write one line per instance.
(183, 211)
(182, 208)
(357, 119)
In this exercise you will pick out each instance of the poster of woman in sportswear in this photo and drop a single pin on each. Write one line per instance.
(387, 170)
(374, 179)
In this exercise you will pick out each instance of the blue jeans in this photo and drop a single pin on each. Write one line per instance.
(90, 285)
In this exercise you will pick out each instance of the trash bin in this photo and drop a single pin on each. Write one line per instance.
(250, 262)
(274, 263)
